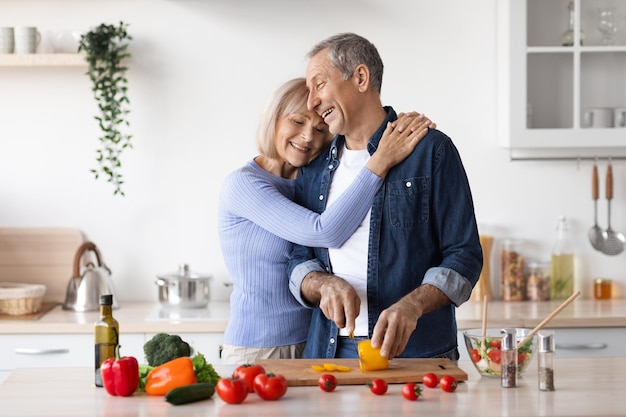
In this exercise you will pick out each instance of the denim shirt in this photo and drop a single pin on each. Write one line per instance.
(422, 230)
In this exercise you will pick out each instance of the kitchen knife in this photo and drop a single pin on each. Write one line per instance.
(357, 350)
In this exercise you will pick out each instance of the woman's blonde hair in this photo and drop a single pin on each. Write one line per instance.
(289, 98)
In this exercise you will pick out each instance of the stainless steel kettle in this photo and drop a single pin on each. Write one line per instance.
(84, 291)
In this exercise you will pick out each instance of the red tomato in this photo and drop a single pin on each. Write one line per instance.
(327, 382)
(521, 358)
(497, 343)
(411, 391)
(494, 355)
(270, 386)
(232, 390)
(448, 383)
(430, 380)
(475, 355)
(378, 386)
(248, 373)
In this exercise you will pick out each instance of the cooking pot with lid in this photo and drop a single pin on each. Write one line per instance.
(184, 288)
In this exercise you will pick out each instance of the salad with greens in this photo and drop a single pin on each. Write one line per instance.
(487, 357)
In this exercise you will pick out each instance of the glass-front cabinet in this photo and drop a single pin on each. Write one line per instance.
(562, 77)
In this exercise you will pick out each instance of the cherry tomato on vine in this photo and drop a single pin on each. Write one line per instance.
(248, 373)
(430, 380)
(411, 391)
(327, 382)
(270, 386)
(448, 383)
(378, 386)
(232, 390)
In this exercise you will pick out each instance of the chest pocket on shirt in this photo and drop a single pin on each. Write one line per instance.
(408, 201)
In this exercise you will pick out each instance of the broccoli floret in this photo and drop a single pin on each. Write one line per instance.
(164, 348)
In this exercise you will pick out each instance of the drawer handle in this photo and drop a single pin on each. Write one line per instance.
(34, 351)
(581, 346)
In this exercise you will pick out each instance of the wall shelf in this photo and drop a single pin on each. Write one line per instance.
(42, 60)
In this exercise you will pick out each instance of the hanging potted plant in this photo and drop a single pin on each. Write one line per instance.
(105, 48)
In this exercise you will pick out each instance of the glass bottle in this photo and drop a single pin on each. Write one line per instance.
(567, 38)
(508, 359)
(106, 332)
(546, 361)
(562, 274)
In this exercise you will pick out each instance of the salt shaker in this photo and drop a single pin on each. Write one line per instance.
(546, 361)
(508, 361)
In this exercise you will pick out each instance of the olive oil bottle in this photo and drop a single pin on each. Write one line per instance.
(562, 276)
(106, 332)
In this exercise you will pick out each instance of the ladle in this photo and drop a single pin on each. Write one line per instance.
(613, 242)
(595, 233)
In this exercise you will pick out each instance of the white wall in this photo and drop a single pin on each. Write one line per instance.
(199, 75)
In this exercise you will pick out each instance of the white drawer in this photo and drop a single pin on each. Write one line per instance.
(590, 342)
(35, 351)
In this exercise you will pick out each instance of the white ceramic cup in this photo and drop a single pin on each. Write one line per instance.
(7, 40)
(619, 117)
(26, 39)
(599, 117)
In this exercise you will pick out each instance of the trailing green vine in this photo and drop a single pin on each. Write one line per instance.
(105, 47)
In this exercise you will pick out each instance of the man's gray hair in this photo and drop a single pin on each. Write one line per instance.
(348, 50)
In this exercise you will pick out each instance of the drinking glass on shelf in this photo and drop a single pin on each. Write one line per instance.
(607, 25)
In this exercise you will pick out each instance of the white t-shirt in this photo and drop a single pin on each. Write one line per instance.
(350, 261)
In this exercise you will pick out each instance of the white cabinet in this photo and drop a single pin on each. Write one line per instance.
(590, 342)
(77, 350)
(545, 89)
(57, 350)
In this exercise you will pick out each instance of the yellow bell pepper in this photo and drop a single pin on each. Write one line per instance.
(369, 358)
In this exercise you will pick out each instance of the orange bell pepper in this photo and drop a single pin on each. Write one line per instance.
(170, 375)
(369, 358)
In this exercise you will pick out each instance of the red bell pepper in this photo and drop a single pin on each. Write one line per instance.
(120, 376)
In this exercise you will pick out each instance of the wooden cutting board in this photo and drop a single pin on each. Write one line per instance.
(298, 372)
(38, 255)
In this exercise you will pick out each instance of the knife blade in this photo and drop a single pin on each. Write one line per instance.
(357, 350)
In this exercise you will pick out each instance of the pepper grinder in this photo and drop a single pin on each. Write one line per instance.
(508, 361)
(546, 361)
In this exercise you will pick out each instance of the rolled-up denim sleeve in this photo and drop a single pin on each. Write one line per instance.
(298, 273)
(451, 283)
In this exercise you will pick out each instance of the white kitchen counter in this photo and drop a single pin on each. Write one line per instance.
(584, 387)
(132, 318)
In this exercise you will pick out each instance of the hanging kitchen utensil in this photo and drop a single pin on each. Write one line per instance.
(613, 242)
(595, 233)
(84, 291)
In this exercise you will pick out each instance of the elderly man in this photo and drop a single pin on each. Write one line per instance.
(415, 256)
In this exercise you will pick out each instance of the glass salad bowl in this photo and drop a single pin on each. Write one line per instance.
(486, 356)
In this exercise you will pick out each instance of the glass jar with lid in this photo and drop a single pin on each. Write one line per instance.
(512, 279)
(538, 281)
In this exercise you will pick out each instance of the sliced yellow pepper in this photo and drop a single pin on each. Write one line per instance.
(330, 367)
(370, 359)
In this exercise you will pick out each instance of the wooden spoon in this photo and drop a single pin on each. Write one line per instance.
(484, 329)
(550, 317)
